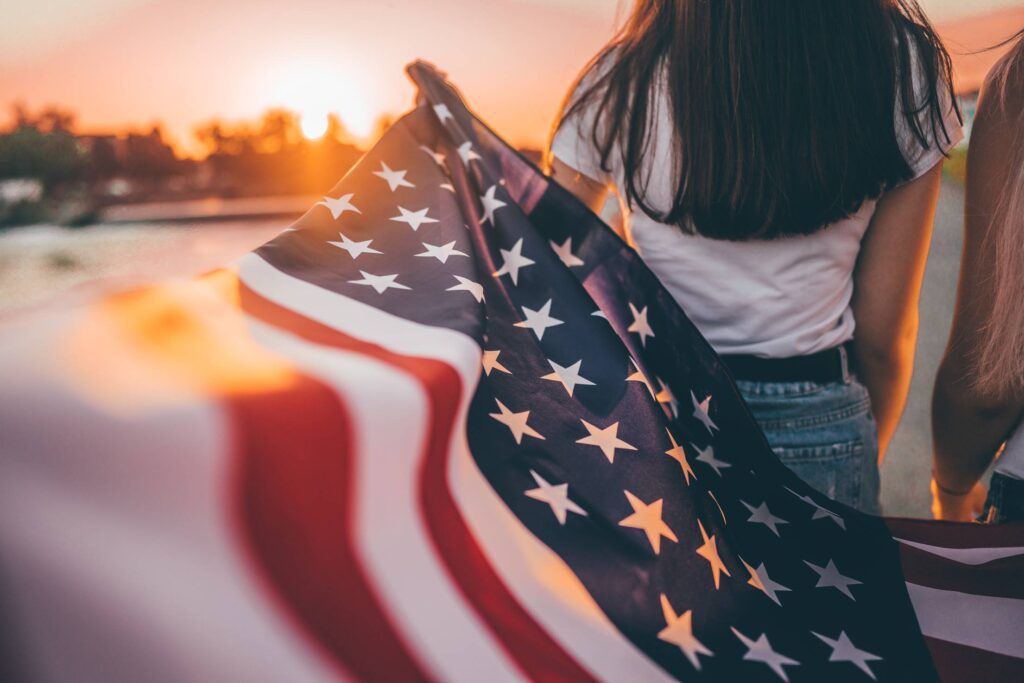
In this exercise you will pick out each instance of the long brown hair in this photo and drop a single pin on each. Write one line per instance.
(783, 110)
(1000, 355)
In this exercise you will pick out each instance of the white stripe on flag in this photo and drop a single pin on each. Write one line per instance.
(361, 321)
(391, 535)
(119, 560)
(972, 556)
(980, 621)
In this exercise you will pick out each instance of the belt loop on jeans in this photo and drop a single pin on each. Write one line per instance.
(844, 361)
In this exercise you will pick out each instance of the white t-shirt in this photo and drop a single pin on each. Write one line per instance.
(776, 299)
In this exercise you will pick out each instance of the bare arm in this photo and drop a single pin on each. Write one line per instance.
(969, 425)
(887, 287)
(591, 192)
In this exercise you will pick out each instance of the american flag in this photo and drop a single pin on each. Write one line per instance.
(447, 426)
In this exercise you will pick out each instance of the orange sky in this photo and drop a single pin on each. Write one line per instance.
(133, 62)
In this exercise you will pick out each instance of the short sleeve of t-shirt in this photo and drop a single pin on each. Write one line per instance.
(922, 158)
(573, 142)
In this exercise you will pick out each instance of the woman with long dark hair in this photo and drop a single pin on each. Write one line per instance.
(778, 165)
(979, 391)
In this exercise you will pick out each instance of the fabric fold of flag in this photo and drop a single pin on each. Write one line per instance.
(446, 426)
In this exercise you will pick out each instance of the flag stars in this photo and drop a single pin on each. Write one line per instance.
(539, 320)
(414, 219)
(678, 631)
(513, 261)
(569, 375)
(438, 157)
(467, 285)
(380, 283)
(555, 495)
(843, 650)
(702, 411)
(760, 650)
(443, 113)
(466, 153)
(490, 362)
(441, 253)
(564, 252)
(829, 577)
(760, 580)
(606, 439)
(395, 179)
(762, 515)
(709, 551)
(640, 324)
(819, 511)
(490, 204)
(339, 206)
(354, 249)
(637, 375)
(667, 399)
(679, 455)
(707, 456)
(647, 518)
(516, 422)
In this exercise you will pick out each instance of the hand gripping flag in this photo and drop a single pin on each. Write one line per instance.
(447, 426)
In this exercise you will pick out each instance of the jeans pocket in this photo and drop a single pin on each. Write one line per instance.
(833, 469)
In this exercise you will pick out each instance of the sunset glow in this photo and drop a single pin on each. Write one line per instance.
(314, 124)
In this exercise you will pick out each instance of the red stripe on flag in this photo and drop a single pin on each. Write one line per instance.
(539, 656)
(294, 502)
(957, 534)
(997, 578)
(964, 664)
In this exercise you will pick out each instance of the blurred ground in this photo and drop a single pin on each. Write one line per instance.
(49, 265)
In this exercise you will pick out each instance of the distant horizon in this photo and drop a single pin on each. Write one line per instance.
(127, 65)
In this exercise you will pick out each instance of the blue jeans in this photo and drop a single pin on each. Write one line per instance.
(825, 433)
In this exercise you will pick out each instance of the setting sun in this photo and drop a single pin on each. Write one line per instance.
(314, 124)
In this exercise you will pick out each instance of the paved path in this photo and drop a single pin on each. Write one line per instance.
(907, 469)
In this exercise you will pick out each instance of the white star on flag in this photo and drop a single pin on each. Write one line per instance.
(443, 113)
(539, 320)
(516, 422)
(564, 251)
(640, 324)
(702, 411)
(677, 453)
(637, 375)
(829, 577)
(466, 153)
(380, 283)
(557, 496)
(441, 253)
(395, 179)
(666, 397)
(513, 260)
(490, 204)
(569, 376)
(448, 186)
(647, 518)
(414, 218)
(709, 551)
(761, 651)
(819, 511)
(844, 651)
(490, 362)
(599, 314)
(354, 249)
(338, 206)
(436, 156)
(679, 632)
(760, 580)
(707, 456)
(606, 439)
(467, 285)
(762, 515)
